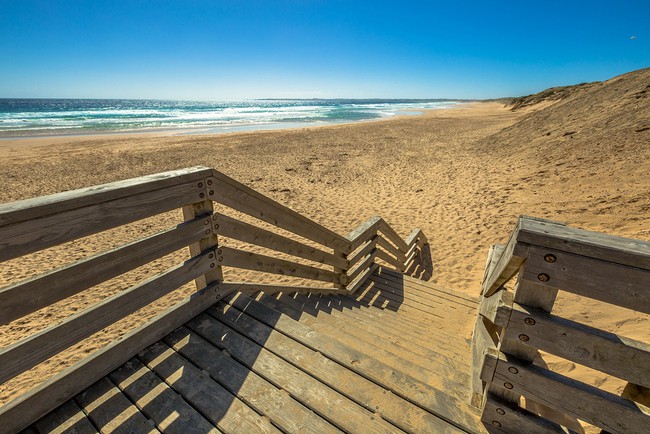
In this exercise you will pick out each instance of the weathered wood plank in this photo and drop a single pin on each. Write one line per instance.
(248, 349)
(233, 228)
(359, 331)
(30, 295)
(41, 206)
(616, 355)
(220, 407)
(626, 251)
(484, 338)
(392, 236)
(23, 410)
(252, 261)
(399, 266)
(497, 308)
(68, 418)
(343, 313)
(543, 298)
(507, 265)
(35, 234)
(390, 248)
(423, 288)
(374, 298)
(501, 416)
(494, 254)
(362, 252)
(362, 266)
(110, 411)
(353, 286)
(159, 402)
(265, 398)
(437, 402)
(597, 407)
(357, 388)
(610, 282)
(416, 236)
(237, 196)
(30, 351)
(363, 233)
(372, 346)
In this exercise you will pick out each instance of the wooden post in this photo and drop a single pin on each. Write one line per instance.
(341, 271)
(541, 297)
(210, 241)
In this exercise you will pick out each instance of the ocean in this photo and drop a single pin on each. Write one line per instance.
(49, 117)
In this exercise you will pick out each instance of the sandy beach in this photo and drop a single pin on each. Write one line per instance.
(463, 175)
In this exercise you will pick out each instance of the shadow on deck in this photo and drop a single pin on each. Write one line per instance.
(381, 360)
(361, 347)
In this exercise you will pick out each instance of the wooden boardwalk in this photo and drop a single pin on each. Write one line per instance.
(381, 361)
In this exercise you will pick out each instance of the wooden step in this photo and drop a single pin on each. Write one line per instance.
(261, 395)
(109, 410)
(371, 396)
(427, 287)
(157, 401)
(383, 322)
(359, 326)
(66, 418)
(310, 379)
(432, 372)
(435, 401)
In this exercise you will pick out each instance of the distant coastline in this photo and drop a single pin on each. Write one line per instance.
(70, 117)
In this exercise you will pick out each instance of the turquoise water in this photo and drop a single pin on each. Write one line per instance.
(46, 117)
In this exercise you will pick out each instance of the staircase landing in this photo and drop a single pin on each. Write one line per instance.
(393, 357)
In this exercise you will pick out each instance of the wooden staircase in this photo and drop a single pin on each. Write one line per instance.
(354, 343)
(377, 361)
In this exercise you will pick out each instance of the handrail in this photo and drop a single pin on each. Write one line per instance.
(316, 254)
(374, 239)
(514, 325)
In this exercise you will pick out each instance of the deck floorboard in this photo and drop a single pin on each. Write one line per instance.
(380, 360)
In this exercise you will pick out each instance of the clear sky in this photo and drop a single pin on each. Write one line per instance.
(238, 49)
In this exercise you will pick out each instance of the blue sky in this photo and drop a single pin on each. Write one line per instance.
(220, 50)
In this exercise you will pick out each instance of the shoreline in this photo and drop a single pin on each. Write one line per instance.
(218, 129)
(191, 132)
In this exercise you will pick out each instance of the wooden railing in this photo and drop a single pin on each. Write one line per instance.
(513, 326)
(291, 245)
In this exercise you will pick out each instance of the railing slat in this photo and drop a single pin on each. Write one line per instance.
(627, 251)
(597, 407)
(232, 228)
(28, 352)
(356, 284)
(506, 266)
(363, 233)
(607, 352)
(42, 206)
(606, 281)
(237, 196)
(253, 261)
(505, 417)
(367, 248)
(390, 248)
(389, 259)
(23, 410)
(361, 266)
(39, 233)
(393, 236)
(28, 296)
